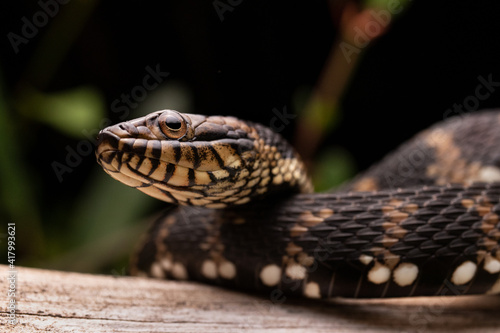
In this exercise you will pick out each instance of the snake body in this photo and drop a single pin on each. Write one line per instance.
(423, 221)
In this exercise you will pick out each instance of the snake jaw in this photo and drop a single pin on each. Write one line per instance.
(197, 160)
(208, 164)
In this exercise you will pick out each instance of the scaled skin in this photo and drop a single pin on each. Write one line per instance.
(431, 238)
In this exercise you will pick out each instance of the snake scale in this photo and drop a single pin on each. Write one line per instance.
(423, 221)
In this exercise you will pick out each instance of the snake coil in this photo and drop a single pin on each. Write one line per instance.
(423, 221)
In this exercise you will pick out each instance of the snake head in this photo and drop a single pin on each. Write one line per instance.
(193, 159)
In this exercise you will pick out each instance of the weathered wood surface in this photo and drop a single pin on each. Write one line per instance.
(52, 301)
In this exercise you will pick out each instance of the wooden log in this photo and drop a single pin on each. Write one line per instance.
(53, 301)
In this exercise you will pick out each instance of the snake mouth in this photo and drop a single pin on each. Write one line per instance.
(169, 170)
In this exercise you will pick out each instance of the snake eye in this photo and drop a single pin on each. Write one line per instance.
(172, 125)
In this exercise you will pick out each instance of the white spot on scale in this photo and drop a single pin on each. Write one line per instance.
(209, 269)
(270, 275)
(464, 273)
(179, 271)
(156, 271)
(405, 274)
(491, 265)
(379, 273)
(305, 260)
(227, 270)
(489, 173)
(311, 290)
(166, 264)
(365, 259)
(296, 271)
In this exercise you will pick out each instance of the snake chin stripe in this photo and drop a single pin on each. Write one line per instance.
(424, 221)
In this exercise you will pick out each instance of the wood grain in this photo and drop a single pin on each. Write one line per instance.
(53, 301)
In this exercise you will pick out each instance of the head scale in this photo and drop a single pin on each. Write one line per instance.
(198, 160)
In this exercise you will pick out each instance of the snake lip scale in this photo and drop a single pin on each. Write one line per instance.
(422, 221)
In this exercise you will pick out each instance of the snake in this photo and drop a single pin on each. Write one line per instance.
(242, 212)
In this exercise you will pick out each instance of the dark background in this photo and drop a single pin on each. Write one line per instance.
(262, 56)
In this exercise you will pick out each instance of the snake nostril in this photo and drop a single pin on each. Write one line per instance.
(129, 128)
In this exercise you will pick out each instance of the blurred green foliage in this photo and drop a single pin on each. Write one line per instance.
(332, 167)
(99, 229)
(68, 112)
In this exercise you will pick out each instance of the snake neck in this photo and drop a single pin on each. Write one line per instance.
(279, 163)
(196, 160)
